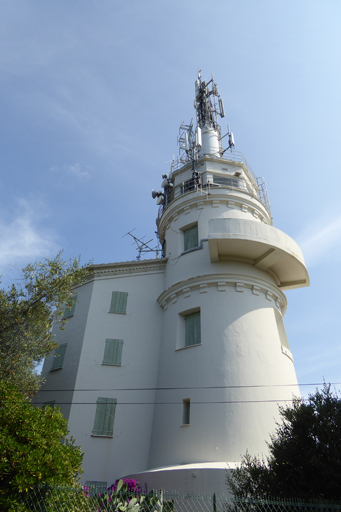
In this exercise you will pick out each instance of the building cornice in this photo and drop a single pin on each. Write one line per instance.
(239, 282)
(107, 270)
(231, 199)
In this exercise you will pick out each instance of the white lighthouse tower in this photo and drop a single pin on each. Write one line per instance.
(169, 369)
(224, 351)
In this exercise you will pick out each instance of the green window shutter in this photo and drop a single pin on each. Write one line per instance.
(191, 238)
(58, 358)
(192, 329)
(113, 352)
(70, 311)
(118, 302)
(104, 419)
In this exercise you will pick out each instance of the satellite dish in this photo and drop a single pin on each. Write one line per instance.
(154, 194)
(160, 200)
(164, 183)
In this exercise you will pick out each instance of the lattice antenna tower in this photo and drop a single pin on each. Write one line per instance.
(208, 103)
(209, 107)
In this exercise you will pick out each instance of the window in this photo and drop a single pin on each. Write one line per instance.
(191, 238)
(281, 330)
(70, 311)
(227, 181)
(113, 352)
(186, 409)
(283, 335)
(192, 329)
(104, 419)
(118, 302)
(58, 358)
(164, 248)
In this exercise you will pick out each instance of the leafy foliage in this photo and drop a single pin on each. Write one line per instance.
(27, 313)
(305, 454)
(126, 495)
(31, 452)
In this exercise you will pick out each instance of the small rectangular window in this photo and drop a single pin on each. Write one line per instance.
(58, 358)
(118, 302)
(192, 329)
(113, 352)
(70, 311)
(186, 409)
(105, 415)
(191, 238)
(281, 330)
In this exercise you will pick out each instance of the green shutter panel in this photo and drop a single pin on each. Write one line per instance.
(117, 355)
(108, 351)
(113, 352)
(70, 311)
(104, 419)
(191, 238)
(118, 302)
(59, 355)
(192, 329)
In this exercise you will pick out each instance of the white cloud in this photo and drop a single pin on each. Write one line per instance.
(22, 239)
(76, 170)
(320, 238)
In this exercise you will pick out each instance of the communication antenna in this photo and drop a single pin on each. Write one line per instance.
(230, 136)
(141, 246)
(208, 103)
(209, 107)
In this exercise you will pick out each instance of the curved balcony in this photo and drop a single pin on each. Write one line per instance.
(261, 245)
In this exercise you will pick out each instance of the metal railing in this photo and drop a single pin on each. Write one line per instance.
(219, 182)
(80, 499)
(241, 184)
(229, 156)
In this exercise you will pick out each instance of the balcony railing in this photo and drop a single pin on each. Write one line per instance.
(219, 182)
(229, 156)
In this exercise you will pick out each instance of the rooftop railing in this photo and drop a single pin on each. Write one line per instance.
(229, 156)
(219, 182)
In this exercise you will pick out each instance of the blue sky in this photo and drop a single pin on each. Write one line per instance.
(92, 95)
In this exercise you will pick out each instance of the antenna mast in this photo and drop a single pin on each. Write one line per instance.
(193, 142)
(142, 247)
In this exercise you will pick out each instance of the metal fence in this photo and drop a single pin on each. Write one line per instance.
(219, 182)
(79, 499)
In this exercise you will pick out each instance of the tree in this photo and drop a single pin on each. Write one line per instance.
(31, 452)
(305, 454)
(27, 312)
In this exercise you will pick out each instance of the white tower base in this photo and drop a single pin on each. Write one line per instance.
(188, 478)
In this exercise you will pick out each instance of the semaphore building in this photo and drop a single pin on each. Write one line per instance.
(169, 369)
